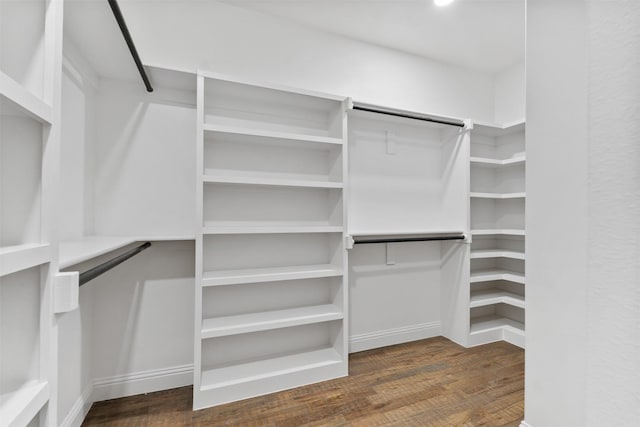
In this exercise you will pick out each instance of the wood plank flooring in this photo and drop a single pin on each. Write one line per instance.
(431, 382)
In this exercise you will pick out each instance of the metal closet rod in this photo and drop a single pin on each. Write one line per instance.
(96, 271)
(409, 239)
(132, 47)
(407, 114)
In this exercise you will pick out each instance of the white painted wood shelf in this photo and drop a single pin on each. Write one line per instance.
(273, 274)
(498, 232)
(263, 133)
(268, 368)
(262, 228)
(494, 322)
(255, 322)
(21, 257)
(489, 162)
(496, 253)
(21, 100)
(478, 195)
(19, 407)
(486, 297)
(77, 251)
(219, 177)
(491, 275)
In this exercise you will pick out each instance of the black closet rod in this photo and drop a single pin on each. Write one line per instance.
(407, 115)
(96, 271)
(132, 47)
(409, 239)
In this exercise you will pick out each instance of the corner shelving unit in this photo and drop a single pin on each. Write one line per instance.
(271, 293)
(497, 257)
(30, 73)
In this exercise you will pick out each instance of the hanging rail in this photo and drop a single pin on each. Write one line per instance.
(132, 47)
(96, 271)
(409, 239)
(361, 106)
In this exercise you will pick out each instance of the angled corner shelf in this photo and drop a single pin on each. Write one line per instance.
(496, 253)
(498, 196)
(490, 162)
(498, 232)
(486, 297)
(497, 274)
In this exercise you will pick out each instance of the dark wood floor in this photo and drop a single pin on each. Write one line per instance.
(432, 382)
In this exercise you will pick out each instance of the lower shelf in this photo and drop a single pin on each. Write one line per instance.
(250, 379)
(493, 328)
(496, 274)
(17, 408)
(495, 296)
(255, 322)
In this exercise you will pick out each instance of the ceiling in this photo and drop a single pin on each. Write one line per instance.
(487, 35)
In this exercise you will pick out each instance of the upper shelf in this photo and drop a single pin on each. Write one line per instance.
(15, 99)
(21, 257)
(478, 195)
(270, 134)
(489, 162)
(493, 129)
(224, 177)
(77, 251)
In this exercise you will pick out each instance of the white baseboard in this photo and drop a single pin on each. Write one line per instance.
(523, 423)
(142, 382)
(80, 408)
(394, 336)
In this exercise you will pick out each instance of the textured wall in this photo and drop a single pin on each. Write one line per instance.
(583, 210)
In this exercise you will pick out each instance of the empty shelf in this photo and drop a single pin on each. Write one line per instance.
(213, 177)
(494, 322)
(495, 296)
(15, 97)
(497, 232)
(270, 229)
(487, 162)
(21, 257)
(273, 274)
(18, 407)
(254, 322)
(497, 195)
(490, 275)
(271, 134)
(496, 253)
(266, 368)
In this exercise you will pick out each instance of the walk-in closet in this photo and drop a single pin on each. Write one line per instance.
(291, 213)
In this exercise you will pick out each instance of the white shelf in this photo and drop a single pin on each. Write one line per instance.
(212, 176)
(498, 232)
(494, 322)
(23, 100)
(267, 368)
(495, 296)
(77, 251)
(261, 228)
(496, 253)
(21, 257)
(488, 162)
(17, 408)
(494, 129)
(490, 275)
(274, 274)
(497, 195)
(255, 322)
(272, 134)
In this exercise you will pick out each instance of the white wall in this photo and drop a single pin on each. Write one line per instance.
(258, 46)
(509, 101)
(583, 234)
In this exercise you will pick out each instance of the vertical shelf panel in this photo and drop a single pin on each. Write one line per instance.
(271, 215)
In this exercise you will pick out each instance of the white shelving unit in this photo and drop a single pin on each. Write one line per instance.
(271, 293)
(30, 73)
(497, 258)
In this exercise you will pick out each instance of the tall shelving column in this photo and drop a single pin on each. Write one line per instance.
(271, 285)
(497, 258)
(30, 85)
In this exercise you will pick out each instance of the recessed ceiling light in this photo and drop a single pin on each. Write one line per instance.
(442, 2)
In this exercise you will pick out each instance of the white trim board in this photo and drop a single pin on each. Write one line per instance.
(80, 408)
(394, 336)
(142, 382)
